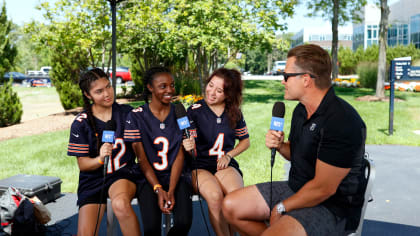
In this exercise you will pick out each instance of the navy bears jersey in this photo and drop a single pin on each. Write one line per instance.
(214, 137)
(83, 144)
(161, 140)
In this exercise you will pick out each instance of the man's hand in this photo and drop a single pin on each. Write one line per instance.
(275, 216)
(274, 139)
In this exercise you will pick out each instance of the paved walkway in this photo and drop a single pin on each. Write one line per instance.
(395, 209)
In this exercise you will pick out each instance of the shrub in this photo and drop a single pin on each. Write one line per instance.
(70, 95)
(10, 106)
(185, 83)
(368, 73)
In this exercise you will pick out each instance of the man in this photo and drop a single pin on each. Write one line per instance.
(324, 193)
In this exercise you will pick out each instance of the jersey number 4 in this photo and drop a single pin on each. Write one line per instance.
(217, 149)
(163, 154)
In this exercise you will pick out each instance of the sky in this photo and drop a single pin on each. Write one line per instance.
(22, 11)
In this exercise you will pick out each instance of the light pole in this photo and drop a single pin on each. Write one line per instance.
(114, 43)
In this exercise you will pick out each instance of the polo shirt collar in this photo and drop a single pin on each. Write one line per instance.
(326, 101)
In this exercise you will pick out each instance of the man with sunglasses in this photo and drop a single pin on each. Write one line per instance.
(324, 192)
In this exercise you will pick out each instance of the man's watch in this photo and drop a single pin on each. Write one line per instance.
(280, 208)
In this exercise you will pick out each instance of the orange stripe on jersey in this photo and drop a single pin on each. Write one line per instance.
(77, 148)
(80, 145)
(131, 130)
(70, 150)
(131, 137)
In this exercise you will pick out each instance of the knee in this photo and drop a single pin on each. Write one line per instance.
(214, 199)
(121, 206)
(228, 208)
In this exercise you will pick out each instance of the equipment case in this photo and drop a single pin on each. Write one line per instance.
(46, 188)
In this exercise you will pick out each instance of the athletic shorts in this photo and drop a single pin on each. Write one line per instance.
(211, 165)
(132, 174)
(316, 221)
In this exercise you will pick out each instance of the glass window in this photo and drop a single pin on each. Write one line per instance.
(369, 34)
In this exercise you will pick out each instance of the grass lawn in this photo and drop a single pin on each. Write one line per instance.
(46, 154)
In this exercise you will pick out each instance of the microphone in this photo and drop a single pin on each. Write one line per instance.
(277, 123)
(183, 122)
(108, 137)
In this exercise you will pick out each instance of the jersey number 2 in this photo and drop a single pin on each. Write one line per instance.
(216, 150)
(163, 154)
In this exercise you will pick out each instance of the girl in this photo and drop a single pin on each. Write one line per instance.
(219, 122)
(85, 143)
(156, 140)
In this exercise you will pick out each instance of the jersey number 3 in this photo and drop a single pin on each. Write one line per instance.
(163, 154)
(217, 149)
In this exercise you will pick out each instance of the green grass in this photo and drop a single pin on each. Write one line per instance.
(46, 154)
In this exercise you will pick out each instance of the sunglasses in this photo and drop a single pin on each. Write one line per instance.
(286, 76)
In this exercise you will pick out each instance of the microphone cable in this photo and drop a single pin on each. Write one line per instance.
(101, 195)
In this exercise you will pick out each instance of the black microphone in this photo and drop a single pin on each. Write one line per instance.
(183, 122)
(277, 123)
(108, 136)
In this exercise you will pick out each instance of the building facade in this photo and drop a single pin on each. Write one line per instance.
(322, 36)
(403, 29)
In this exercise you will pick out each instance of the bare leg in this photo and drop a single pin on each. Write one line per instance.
(212, 192)
(121, 193)
(245, 209)
(229, 180)
(87, 219)
(286, 225)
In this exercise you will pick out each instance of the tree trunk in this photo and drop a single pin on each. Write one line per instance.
(334, 45)
(383, 36)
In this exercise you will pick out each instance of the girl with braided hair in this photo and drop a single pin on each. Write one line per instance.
(85, 143)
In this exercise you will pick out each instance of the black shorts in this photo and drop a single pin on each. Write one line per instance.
(211, 165)
(95, 198)
(132, 174)
(317, 220)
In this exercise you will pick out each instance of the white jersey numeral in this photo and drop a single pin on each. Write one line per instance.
(163, 153)
(216, 150)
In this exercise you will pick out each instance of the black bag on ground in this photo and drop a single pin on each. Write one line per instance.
(24, 221)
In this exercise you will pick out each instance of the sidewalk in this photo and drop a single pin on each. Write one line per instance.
(395, 209)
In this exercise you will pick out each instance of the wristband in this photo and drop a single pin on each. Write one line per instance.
(100, 161)
(227, 154)
(156, 186)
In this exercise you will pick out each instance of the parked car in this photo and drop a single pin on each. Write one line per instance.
(17, 77)
(40, 82)
(122, 74)
(278, 67)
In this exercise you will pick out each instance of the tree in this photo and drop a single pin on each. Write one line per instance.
(8, 51)
(338, 12)
(10, 106)
(383, 36)
(77, 35)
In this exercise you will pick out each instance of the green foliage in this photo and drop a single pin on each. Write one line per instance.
(70, 95)
(8, 51)
(10, 106)
(368, 73)
(186, 84)
(348, 61)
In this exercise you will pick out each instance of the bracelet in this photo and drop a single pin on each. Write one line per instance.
(156, 186)
(100, 161)
(227, 154)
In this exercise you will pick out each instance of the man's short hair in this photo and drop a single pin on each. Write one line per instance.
(315, 60)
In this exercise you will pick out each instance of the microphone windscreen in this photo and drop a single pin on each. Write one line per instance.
(180, 110)
(278, 109)
(111, 125)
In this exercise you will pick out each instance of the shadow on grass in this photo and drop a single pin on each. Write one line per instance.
(273, 91)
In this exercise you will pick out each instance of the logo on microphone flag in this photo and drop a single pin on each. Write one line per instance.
(183, 122)
(108, 136)
(277, 123)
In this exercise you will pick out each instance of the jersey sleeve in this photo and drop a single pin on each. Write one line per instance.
(241, 131)
(78, 142)
(132, 126)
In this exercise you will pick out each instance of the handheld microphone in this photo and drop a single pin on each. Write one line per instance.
(277, 123)
(183, 122)
(108, 136)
